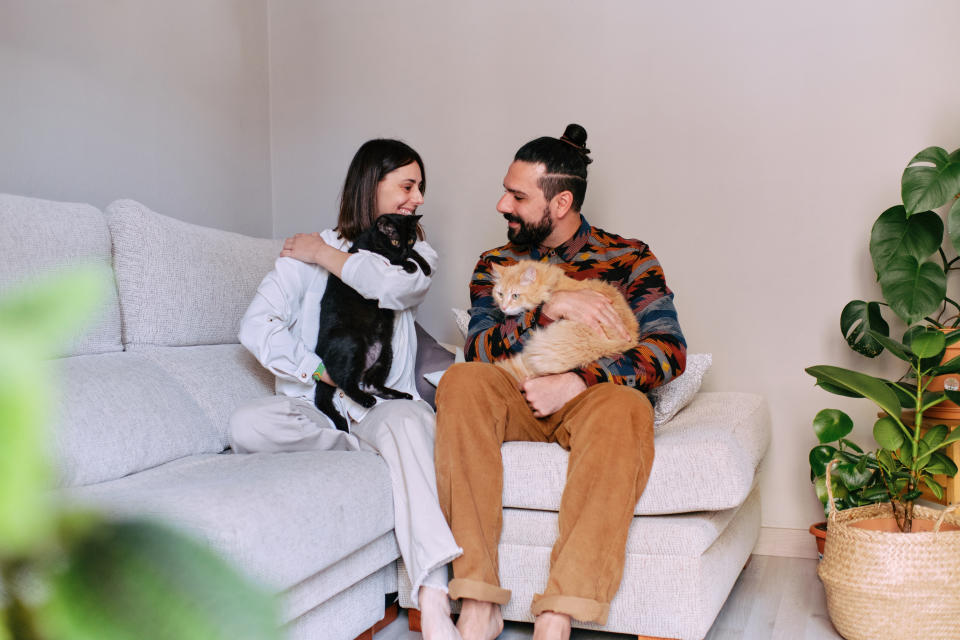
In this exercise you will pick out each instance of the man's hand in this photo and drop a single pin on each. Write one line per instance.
(547, 394)
(592, 308)
(305, 247)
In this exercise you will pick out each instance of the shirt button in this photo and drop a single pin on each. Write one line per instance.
(341, 394)
(303, 375)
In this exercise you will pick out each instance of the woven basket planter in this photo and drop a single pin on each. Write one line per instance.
(892, 586)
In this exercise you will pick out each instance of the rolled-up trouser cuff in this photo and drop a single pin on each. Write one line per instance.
(583, 609)
(476, 590)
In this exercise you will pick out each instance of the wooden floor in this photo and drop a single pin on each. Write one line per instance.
(775, 599)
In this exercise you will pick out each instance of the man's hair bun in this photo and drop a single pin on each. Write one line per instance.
(576, 136)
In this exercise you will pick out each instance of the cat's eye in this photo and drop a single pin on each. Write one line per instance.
(515, 296)
(395, 242)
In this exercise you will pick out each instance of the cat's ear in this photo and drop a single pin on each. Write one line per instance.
(386, 227)
(529, 276)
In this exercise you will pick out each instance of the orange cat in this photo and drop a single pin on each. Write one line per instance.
(565, 344)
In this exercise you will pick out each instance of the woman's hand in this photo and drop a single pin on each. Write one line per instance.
(305, 247)
(327, 379)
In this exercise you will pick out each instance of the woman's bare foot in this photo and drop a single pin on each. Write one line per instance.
(435, 622)
(479, 620)
(550, 625)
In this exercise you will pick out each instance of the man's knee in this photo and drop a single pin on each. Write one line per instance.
(463, 379)
(621, 412)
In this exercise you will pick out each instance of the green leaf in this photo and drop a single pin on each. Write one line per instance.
(853, 445)
(831, 425)
(953, 224)
(941, 464)
(953, 437)
(913, 289)
(887, 433)
(952, 396)
(894, 235)
(906, 456)
(928, 343)
(935, 487)
(952, 336)
(887, 461)
(936, 435)
(913, 495)
(869, 387)
(840, 391)
(901, 351)
(819, 458)
(852, 477)
(857, 319)
(137, 579)
(34, 321)
(950, 366)
(906, 398)
(928, 187)
(875, 494)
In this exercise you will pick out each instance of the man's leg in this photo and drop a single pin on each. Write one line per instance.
(609, 432)
(402, 432)
(478, 408)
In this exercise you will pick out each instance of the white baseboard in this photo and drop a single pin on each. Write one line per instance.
(786, 543)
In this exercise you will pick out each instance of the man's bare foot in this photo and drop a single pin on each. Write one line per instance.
(479, 620)
(550, 625)
(435, 622)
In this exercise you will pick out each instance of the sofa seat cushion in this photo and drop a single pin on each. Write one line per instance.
(40, 238)
(281, 517)
(705, 460)
(119, 413)
(181, 284)
(218, 377)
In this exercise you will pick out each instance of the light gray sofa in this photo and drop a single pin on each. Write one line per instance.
(144, 397)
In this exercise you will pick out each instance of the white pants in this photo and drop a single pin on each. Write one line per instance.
(402, 432)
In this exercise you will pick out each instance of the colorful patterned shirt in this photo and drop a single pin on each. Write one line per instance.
(627, 264)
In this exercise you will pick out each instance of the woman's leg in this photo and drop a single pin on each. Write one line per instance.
(281, 423)
(402, 431)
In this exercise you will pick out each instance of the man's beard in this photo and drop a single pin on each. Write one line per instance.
(529, 234)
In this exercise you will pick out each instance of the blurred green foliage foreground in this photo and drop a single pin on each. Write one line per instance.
(67, 575)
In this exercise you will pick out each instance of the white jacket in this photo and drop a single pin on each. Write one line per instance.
(280, 326)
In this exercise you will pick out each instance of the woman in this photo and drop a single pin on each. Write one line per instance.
(280, 329)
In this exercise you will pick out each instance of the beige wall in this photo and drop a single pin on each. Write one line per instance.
(751, 143)
(163, 102)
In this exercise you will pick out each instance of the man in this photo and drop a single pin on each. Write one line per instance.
(599, 412)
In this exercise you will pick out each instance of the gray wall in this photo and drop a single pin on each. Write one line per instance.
(163, 102)
(751, 143)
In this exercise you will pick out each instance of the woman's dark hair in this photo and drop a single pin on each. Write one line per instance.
(372, 161)
(565, 158)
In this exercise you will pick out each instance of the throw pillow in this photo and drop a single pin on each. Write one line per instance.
(462, 317)
(676, 394)
(431, 357)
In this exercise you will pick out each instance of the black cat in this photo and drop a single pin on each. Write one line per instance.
(355, 336)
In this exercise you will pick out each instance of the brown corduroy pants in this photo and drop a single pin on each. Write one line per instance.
(608, 430)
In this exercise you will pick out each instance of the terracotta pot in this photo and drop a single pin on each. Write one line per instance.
(889, 525)
(946, 410)
(819, 531)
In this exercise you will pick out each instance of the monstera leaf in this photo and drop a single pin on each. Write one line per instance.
(857, 320)
(913, 289)
(927, 187)
(894, 234)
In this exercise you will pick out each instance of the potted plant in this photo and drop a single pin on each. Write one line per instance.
(906, 248)
(875, 579)
(856, 480)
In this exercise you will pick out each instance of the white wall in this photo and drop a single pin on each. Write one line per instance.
(751, 143)
(163, 102)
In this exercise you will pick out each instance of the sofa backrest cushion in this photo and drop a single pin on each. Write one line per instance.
(39, 238)
(181, 284)
(118, 413)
